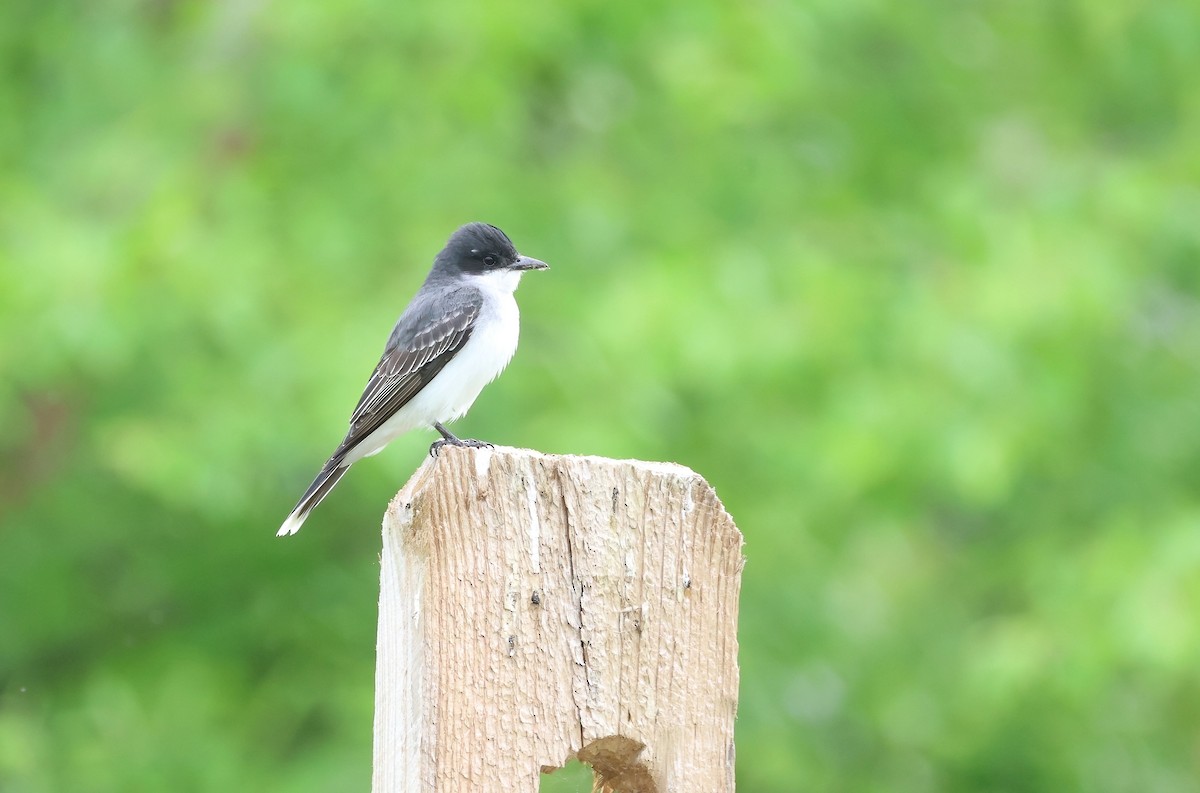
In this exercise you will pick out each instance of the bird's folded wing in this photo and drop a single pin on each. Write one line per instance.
(407, 366)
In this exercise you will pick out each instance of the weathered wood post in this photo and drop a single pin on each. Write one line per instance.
(535, 608)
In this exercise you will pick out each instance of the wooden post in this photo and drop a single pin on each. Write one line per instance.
(535, 608)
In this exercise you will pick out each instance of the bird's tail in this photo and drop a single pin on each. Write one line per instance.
(333, 471)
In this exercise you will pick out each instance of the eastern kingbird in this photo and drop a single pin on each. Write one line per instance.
(455, 337)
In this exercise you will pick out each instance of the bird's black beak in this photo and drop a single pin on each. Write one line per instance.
(528, 263)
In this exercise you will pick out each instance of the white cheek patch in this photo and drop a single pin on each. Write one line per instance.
(502, 281)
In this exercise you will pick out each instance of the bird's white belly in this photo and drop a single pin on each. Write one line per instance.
(491, 346)
(453, 390)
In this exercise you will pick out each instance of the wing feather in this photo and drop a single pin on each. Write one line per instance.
(407, 367)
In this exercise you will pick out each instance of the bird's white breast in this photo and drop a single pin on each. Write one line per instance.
(492, 344)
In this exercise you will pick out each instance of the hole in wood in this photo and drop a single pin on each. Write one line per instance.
(574, 777)
(614, 769)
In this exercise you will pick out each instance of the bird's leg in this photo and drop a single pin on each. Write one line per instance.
(450, 439)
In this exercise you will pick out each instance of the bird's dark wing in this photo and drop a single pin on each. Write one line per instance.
(423, 342)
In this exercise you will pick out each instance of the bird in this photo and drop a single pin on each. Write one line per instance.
(456, 335)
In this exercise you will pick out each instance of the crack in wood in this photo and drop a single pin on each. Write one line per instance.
(577, 596)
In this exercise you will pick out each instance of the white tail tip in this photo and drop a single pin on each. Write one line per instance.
(291, 525)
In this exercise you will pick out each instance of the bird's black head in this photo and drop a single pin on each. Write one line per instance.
(479, 248)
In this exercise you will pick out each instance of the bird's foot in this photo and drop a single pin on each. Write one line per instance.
(450, 439)
(470, 443)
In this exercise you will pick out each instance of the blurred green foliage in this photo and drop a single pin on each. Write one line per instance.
(916, 286)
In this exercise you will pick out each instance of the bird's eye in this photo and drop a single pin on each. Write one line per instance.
(490, 261)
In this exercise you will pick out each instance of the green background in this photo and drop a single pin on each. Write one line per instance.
(916, 286)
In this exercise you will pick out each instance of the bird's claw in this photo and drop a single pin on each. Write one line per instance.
(470, 443)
